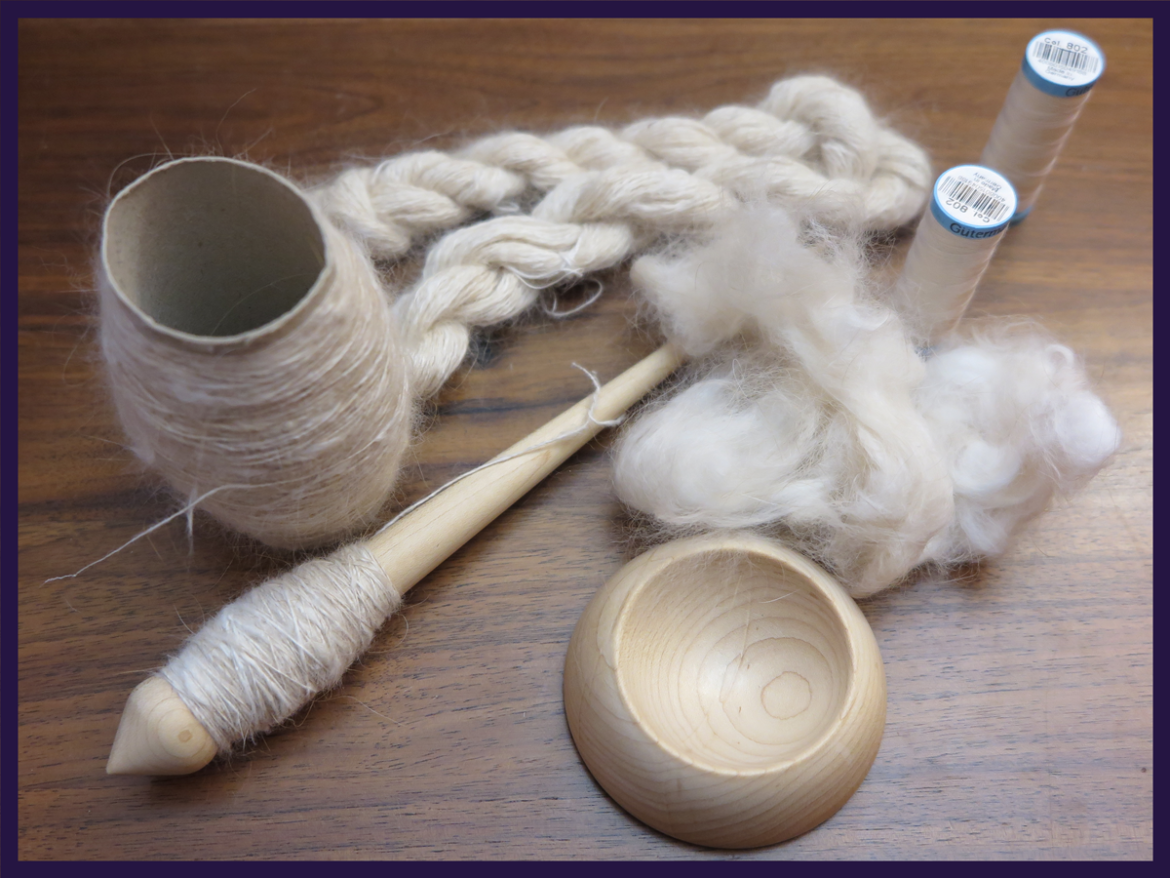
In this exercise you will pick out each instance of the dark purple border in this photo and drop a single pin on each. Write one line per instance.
(12, 11)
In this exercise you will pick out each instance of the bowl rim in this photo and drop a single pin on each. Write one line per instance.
(667, 554)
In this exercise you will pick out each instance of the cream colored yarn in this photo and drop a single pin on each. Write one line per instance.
(290, 432)
(857, 174)
(812, 128)
(268, 653)
(1034, 123)
(299, 439)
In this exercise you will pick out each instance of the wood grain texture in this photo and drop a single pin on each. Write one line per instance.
(1020, 697)
(726, 691)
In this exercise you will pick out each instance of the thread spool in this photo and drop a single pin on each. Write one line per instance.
(250, 349)
(970, 207)
(1056, 75)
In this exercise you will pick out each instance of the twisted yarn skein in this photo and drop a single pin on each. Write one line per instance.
(859, 175)
(806, 123)
(246, 372)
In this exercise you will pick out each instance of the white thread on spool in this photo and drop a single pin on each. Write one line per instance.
(1050, 90)
(249, 343)
(970, 207)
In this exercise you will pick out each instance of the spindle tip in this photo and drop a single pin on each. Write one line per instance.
(158, 735)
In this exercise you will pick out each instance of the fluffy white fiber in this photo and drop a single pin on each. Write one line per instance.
(1013, 415)
(814, 415)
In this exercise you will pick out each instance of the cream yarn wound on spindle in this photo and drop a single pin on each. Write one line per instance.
(260, 367)
(261, 658)
(813, 414)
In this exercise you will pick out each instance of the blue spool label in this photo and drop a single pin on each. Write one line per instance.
(972, 201)
(1063, 63)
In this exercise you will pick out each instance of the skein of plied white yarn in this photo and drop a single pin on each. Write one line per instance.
(814, 121)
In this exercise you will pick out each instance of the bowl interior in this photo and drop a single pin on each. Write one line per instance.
(734, 660)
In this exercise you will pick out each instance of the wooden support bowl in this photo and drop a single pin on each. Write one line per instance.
(726, 691)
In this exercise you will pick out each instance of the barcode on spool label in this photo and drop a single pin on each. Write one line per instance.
(1049, 53)
(965, 191)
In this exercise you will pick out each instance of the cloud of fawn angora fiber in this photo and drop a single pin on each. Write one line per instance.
(814, 413)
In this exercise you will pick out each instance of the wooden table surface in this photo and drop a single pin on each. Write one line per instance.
(1020, 697)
